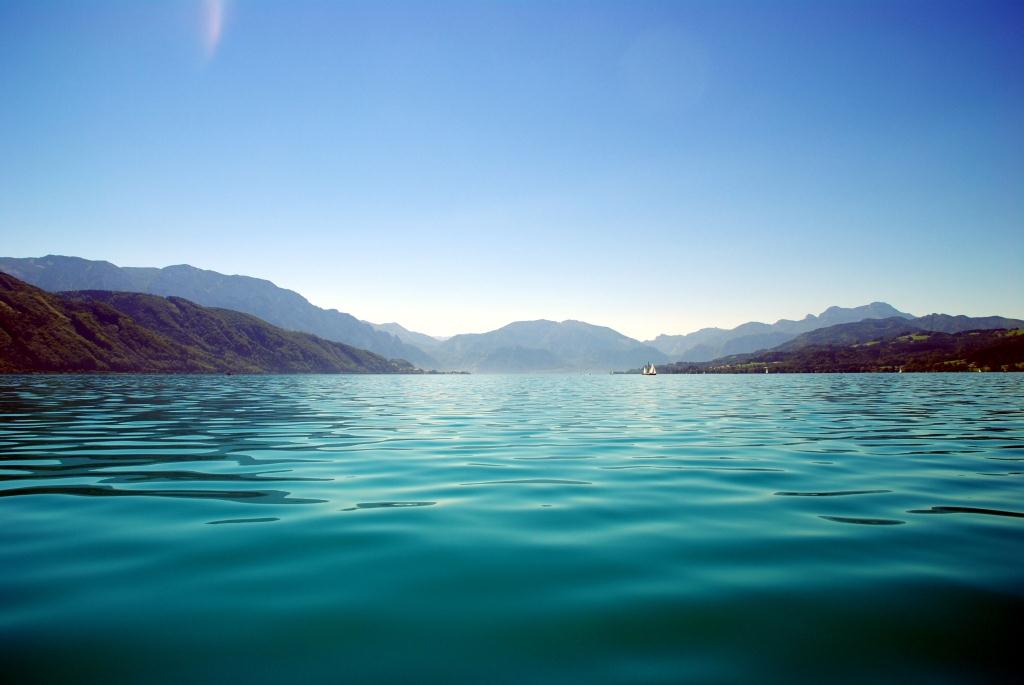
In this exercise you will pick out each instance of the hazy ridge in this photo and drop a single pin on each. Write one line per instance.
(938, 342)
(519, 347)
(256, 296)
(711, 343)
(132, 332)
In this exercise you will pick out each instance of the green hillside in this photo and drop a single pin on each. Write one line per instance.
(877, 345)
(131, 332)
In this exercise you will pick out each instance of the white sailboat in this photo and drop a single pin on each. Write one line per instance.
(649, 370)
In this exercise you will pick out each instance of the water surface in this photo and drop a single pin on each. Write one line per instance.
(507, 529)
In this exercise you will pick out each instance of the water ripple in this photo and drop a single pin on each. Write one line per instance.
(265, 519)
(388, 505)
(967, 510)
(864, 521)
(834, 493)
(599, 529)
(532, 481)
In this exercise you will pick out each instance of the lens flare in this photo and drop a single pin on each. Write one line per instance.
(213, 25)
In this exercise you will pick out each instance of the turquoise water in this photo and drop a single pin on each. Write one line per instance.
(508, 529)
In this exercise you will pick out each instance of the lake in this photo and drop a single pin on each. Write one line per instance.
(511, 529)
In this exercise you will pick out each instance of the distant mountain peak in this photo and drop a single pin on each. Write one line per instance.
(876, 310)
(711, 343)
(545, 345)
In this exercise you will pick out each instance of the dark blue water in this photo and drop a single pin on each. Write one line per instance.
(508, 529)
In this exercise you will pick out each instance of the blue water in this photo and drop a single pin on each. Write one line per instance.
(510, 529)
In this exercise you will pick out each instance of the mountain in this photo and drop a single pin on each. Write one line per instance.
(544, 346)
(712, 343)
(421, 340)
(261, 298)
(885, 345)
(857, 333)
(133, 332)
(876, 330)
(518, 347)
(945, 323)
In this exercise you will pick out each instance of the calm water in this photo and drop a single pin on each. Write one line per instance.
(507, 529)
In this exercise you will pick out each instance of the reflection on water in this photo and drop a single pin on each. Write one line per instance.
(511, 528)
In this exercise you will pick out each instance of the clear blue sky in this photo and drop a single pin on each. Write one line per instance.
(652, 166)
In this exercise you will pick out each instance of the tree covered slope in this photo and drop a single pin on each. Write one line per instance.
(133, 332)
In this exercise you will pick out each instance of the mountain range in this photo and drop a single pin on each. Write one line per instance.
(876, 330)
(934, 343)
(712, 343)
(423, 341)
(544, 346)
(522, 346)
(261, 298)
(132, 332)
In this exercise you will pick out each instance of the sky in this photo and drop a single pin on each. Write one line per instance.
(656, 167)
